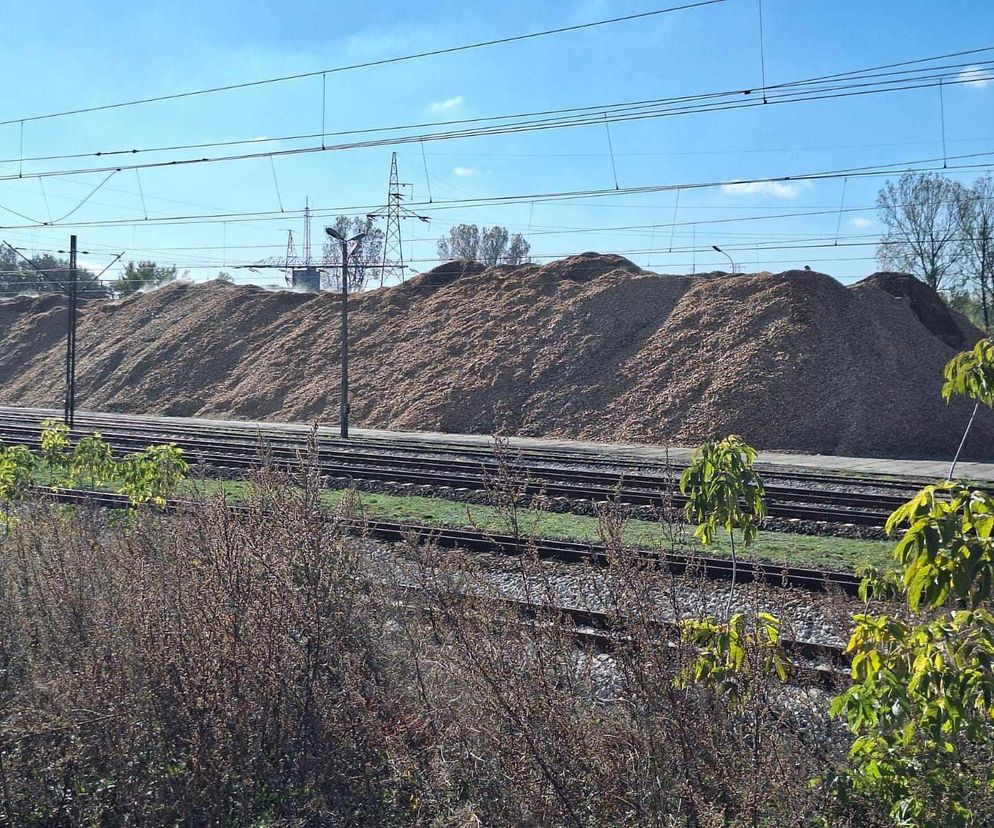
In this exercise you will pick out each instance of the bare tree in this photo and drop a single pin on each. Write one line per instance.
(975, 212)
(923, 228)
(491, 246)
(365, 260)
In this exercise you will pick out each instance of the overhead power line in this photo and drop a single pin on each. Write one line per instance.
(876, 170)
(814, 242)
(640, 251)
(870, 82)
(367, 64)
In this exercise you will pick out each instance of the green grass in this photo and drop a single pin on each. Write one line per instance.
(839, 554)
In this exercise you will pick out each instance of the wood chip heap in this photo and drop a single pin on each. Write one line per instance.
(590, 346)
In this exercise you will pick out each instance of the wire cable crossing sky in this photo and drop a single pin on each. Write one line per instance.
(207, 157)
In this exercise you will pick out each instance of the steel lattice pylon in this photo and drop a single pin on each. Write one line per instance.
(290, 260)
(393, 244)
(307, 234)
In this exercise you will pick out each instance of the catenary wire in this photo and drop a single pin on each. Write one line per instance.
(587, 117)
(364, 65)
(792, 86)
(918, 165)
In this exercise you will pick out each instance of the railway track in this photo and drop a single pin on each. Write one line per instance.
(569, 475)
(811, 661)
(563, 551)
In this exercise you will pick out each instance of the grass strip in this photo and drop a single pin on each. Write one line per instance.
(815, 551)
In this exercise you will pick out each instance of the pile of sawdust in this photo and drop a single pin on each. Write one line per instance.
(590, 346)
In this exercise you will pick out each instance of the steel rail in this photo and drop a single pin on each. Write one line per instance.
(612, 456)
(241, 451)
(630, 488)
(813, 661)
(563, 551)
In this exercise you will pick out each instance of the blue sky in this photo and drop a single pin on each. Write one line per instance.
(66, 55)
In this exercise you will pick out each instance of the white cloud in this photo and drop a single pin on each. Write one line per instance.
(463, 172)
(776, 189)
(975, 76)
(861, 222)
(446, 105)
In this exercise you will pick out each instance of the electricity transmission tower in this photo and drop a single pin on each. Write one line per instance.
(290, 260)
(393, 245)
(299, 272)
(307, 235)
(287, 264)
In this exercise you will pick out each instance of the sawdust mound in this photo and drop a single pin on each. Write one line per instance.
(446, 274)
(591, 346)
(926, 304)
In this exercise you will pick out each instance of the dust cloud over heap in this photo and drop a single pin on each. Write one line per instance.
(590, 346)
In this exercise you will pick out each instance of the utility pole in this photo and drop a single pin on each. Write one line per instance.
(343, 416)
(72, 300)
(70, 412)
(344, 409)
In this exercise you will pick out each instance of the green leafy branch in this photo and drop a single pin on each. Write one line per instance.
(724, 492)
(17, 467)
(152, 475)
(148, 476)
(731, 657)
(971, 374)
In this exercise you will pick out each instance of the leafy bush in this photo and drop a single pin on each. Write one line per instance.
(724, 492)
(92, 462)
(922, 703)
(17, 466)
(54, 446)
(148, 476)
(152, 475)
(731, 657)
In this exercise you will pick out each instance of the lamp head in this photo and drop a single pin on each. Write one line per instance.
(331, 231)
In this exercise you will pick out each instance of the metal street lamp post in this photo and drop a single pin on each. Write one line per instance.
(333, 233)
(723, 253)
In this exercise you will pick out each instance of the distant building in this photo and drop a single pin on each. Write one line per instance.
(306, 279)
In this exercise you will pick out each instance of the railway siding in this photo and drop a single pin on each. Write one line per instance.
(799, 502)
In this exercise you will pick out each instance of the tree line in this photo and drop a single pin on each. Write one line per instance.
(45, 273)
(468, 242)
(942, 232)
(490, 246)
